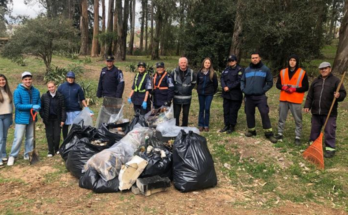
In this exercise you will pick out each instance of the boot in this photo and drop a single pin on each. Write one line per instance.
(329, 154)
(297, 142)
(226, 128)
(230, 130)
(270, 137)
(279, 136)
(250, 133)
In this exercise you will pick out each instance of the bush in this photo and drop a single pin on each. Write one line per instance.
(58, 74)
(89, 90)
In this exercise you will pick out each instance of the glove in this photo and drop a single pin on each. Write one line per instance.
(144, 105)
(129, 100)
(291, 89)
(36, 107)
(90, 111)
(285, 87)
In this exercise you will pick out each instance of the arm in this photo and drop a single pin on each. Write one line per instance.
(81, 96)
(236, 83)
(170, 88)
(309, 98)
(17, 102)
(342, 93)
(305, 85)
(63, 113)
(279, 83)
(41, 112)
(223, 85)
(120, 85)
(215, 83)
(269, 81)
(242, 82)
(100, 86)
(194, 80)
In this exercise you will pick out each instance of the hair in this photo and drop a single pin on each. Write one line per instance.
(211, 69)
(6, 89)
(255, 52)
(52, 82)
(183, 58)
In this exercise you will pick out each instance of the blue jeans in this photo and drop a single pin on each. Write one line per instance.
(204, 110)
(20, 130)
(5, 123)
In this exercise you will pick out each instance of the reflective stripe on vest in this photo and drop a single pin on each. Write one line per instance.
(295, 82)
(138, 88)
(159, 83)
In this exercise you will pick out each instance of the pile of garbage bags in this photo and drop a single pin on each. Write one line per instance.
(131, 156)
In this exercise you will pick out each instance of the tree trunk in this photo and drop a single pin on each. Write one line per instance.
(146, 26)
(102, 47)
(94, 51)
(115, 30)
(156, 40)
(181, 27)
(341, 59)
(333, 18)
(119, 46)
(132, 21)
(109, 27)
(237, 32)
(125, 28)
(84, 28)
(142, 23)
(151, 30)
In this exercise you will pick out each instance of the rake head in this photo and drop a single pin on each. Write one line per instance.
(314, 153)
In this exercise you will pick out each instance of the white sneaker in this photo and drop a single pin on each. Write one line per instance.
(49, 155)
(26, 157)
(10, 161)
(57, 152)
(1, 163)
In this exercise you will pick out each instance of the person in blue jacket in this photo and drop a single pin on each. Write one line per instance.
(231, 93)
(163, 87)
(25, 97)
(207, 85)
(141, 88)
(257, 79)
(73, 98)
(111, 82)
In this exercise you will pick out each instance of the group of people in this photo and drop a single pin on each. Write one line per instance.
(59, 107)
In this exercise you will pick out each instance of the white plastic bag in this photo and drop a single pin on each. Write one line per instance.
(84, 117)
(169, 129)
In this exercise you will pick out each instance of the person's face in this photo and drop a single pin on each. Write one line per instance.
(232, 63)
(51, 87)
(255, 59)
(27, 82)
(109, 64)
(183, 64)
(207, 64)
(160, 70)
(324, 72)
(70, 80)
(141, 69)
(292, 63)
(2, 82)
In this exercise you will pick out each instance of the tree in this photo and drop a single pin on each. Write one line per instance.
(94, 51)
(341, 59)
(84, 28)
(122, 23)
(237, 32)
(3, 11)
(110, 26)
(41, 37)
(132, 22)
(102, 48)
(142, 23)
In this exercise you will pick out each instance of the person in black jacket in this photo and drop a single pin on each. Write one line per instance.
(163, 87)
(53, 115)
(231, 93)
(207, 85)
(320, 96)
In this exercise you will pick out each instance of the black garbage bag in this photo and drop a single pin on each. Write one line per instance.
(103, 133)
(193, 165)
(91, 180)
(138, 118)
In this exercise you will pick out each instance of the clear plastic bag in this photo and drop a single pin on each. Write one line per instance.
(110, 110)
(169, 129)
(84, 117)
(160, 115)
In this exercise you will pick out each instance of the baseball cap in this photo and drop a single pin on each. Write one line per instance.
(324, 65)
(142, 64)
(26, 74)
(109, 58)
(232, 58)
(70, 74)
(160, 65)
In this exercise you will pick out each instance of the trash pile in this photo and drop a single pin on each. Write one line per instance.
(143, 155)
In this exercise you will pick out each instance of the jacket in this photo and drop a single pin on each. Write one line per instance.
(73, 95)
(231, 78)
(45, 107)
(294, 80)
(160, 93)
(321, 95)
(256, 80)
(111, 83)
(205, 86)
(141, 84)
(183, 88)
(24, 99)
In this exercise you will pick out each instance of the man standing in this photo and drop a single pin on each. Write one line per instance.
(111, 83)
(163, 87)
(25, 97)
(292, 83)
(318, 101)
(256, 81)
(184, 82)
(231, 93)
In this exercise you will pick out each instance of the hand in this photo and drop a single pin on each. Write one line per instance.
(167, 104)
(61, 124)
(144, 105)
(36, 107)
(129, 100)
(285, 87)
(291, 90)
(226, 89)
(306, 110)
(90, 111)
(337, 95)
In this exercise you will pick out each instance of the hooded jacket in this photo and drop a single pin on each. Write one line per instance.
(24, 99)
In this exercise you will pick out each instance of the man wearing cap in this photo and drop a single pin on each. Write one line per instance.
(73, 98)
(257, 79)
(111, 83)
(231, 93)
(320, 96)
(25, 97)
(141, 88)
(163, 87)
(184, 82)
(292, 83)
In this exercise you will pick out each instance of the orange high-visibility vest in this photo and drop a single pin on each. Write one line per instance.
(159, 83)
(296, 81)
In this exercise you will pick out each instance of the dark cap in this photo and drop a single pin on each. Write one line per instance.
(109, 58)
(232, 58)
(70, 74)
(142, 64)
(159, 65)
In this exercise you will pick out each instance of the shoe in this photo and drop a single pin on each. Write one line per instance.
(49, 155)
(329, 154)
(297, 142)
(26, 157)
(229, 131)
(310, 142)
(227, 127)
(10, 161)
(4, 159)
(206, 129)
(250, 133)
(1, 163)
(200, 129)
(279, 136)
(57, 153)
(270, 137)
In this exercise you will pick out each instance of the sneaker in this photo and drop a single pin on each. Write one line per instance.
(200, 129)
(4, 159)
(250, 133)
(270, 137)
(10, 161)
(297, 142)
(206, 129)
(26, 157)
(1, 163)
(329, 154)
(279, 136)
(57, 153)
(49, 155)
(226, 128)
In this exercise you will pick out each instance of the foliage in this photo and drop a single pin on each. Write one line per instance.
(149, 69)
(40, 37)
(89, 90)
(58, 74)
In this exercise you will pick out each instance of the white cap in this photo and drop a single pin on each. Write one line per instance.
(26, 74)
(324, 65)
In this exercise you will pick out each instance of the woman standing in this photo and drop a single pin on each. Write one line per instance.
(5, 115)
(207, 85)
(53, 114)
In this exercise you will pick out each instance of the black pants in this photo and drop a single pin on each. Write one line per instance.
(53, 135)
(185, 113)
(139, 109)
(65, 131)
(251, 102)
(231, 109)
